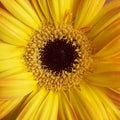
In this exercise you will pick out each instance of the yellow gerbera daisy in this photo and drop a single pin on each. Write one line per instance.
(59, 60)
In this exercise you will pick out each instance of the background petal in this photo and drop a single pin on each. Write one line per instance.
(17, 85)
(106, 25)
(11, 63)
(49, 108)
(4, 13)
(106, 66)
(9, 36)
(110, 33)
(19, 10)
(10, 51)
(59, 9)
(32, 106)
(112, 111)
(45, 9)
(104, 79)
(114, 95)
(109, 50)
(65, 111)
(6, 106)
(85, 103)
(88, 9)
(38, 10)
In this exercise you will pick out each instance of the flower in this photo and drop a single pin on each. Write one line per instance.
(59, 60)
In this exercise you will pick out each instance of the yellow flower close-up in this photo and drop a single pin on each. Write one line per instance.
(59, 60)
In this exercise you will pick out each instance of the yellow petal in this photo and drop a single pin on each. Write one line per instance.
(30, 96)
(10, 51)
(28, 8)
(74, 6)
(45, 9)
(66, 111)
(11, 39)
(106, 9)
(14, 21)
(114, 95)
(13, 71)
(112, 111)
(38, 10)
(112, 48)
(82, 99)
(117, 90)
(104, 79)
(110, 33)
(49, 108)
(17, 85)
(21, 76)
(60, 8)
(107, 16)
(9, 36)
(106, 66)
(88, 9)
(15, 30)
(20, 13)
(31, 108)
(79, 106)
(7, 106)
(7, 64)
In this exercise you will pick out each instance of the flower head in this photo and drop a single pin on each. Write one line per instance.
(59, 60)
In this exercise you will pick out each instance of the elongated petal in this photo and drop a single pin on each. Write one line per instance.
(114, 95)
(10, 51)
(60, 8)
(88, 9)
(110, 33)
(22, 14)
(112, 111)
(29, 97)
(109, 7)
(13, 71)
(7, 106)
(106, 66)
(11, 63)
(104, 79)
(17, 85)
(66, 111)
(45, 9)
(106, 21)
(38, 10)
(31, 108)
(28, 8)
(82, 99)
(112, 48)
(49, 108)
(9, 36)
(79, 106)
(15, 21)
(20, 33)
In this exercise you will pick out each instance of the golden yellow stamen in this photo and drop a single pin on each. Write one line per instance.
(63, 79)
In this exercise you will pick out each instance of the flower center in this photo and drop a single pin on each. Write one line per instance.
(58, 56)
